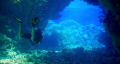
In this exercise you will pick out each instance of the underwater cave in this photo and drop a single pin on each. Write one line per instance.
(59, 32)
(78, 18)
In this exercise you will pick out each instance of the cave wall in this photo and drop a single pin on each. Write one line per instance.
(111, 10)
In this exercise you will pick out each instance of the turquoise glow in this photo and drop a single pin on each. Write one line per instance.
(81, 12)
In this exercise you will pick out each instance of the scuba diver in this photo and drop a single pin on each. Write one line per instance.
(36, 34)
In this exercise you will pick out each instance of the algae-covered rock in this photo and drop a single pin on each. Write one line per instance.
(4, 42)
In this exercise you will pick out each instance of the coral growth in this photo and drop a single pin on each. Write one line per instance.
(71, 34)
(66, 56)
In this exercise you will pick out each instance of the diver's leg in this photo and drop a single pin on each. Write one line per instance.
(20, 24)
(33, 34)
(34, 23)
(20, 29)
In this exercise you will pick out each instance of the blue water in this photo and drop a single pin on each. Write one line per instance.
(81, 12)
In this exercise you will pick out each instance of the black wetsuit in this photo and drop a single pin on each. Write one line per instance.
(38, 36)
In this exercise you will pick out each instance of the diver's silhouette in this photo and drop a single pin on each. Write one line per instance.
(36, 34)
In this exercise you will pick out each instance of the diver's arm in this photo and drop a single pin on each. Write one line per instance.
(33, 34)
(20, 29)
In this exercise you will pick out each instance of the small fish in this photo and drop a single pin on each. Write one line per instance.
(17, 1)
(101, 16)
(101, 20)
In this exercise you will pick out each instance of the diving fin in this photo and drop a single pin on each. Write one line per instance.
(35, 21)
(15, 17)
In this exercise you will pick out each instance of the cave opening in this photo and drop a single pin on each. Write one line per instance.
(78, 26)
(81, 12)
